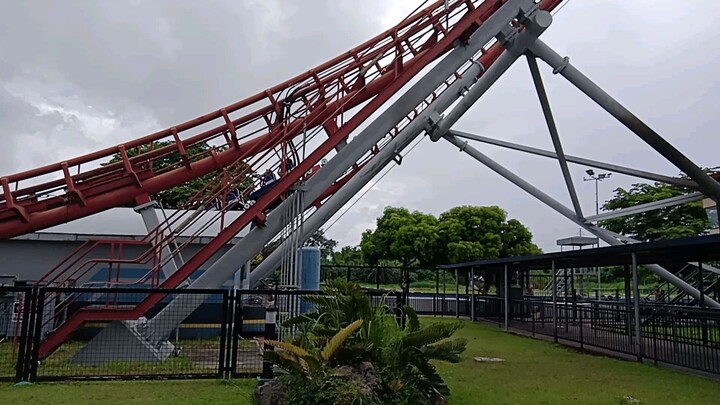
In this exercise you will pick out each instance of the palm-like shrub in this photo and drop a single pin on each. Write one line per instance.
(401, 356)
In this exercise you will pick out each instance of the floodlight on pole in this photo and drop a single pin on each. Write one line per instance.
(596, 178)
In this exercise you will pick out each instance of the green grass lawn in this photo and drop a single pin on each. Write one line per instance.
(535, 372)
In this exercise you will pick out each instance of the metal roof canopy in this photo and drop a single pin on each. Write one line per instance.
(577, 241)
(699, 248)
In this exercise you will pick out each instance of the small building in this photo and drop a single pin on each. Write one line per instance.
(29, 257)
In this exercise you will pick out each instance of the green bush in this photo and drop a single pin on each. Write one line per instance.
(346, 325)
(325, 389)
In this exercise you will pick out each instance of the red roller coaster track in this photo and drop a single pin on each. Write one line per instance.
(337, 96)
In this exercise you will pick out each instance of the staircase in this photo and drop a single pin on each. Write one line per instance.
(689, 273)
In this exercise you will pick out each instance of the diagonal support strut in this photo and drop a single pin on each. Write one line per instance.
(578, 160)
(568, 213)
(562, 66)
(552, 127)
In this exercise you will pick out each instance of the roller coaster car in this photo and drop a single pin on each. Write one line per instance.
(257, 194)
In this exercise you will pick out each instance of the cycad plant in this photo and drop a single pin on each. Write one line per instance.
(293, 357)
(401, 356)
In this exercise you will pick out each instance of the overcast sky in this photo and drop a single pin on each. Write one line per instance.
(76, 76)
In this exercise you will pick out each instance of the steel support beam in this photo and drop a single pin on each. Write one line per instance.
(552, 127)
(515, 46)
(562, 66)
(333, 204)
(354, 185)
(181, 307)
(631, 240)
(578, 160)
(655, 205)
(152, 222)
(568, 213)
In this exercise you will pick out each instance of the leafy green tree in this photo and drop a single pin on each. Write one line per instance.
(668, 223)
(409, 238)
(177, 196)
(461, 234)
(326, 245)
(476, 233)
(350, 255)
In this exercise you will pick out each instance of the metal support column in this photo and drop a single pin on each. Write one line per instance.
(636, 306)
(506, 288)
(472, 293)
(152, 223)
(552, 127)
(457, 294)
(701, 287)
(583, 83)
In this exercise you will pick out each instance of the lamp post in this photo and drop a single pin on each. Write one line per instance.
(597, 177)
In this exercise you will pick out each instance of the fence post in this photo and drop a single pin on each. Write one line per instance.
(654, 336)
(554, 302)
(457, 294)
(36, 334)
(532, 316)
(636, 304)
(472, 293)
(237, 329)
(506, 287)
(582, 326)
(224, 321)
(437, 292)
(270, 333)
(21, 370)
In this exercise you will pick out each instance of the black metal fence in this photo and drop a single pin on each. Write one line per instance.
(681, 336)
(222, 335)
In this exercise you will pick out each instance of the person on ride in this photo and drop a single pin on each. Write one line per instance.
(289, 164)
(267, 177)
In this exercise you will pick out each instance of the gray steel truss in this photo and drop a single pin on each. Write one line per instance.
(536, 21)
(601, 233)
(388, 154)
(655, 205)
(441, 128)
(578, 160)
(151, 220)
(563, 66)
(462, 94)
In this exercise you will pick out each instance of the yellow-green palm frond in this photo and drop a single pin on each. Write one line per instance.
(288, 347)
(334, 344)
